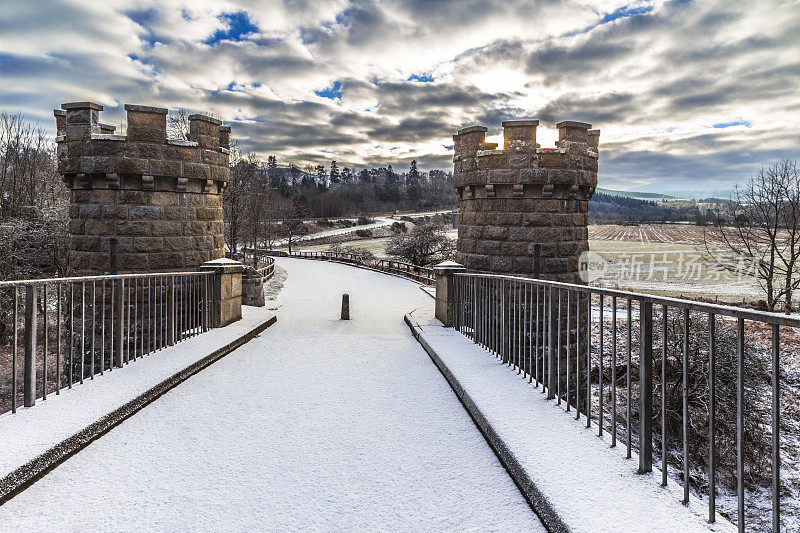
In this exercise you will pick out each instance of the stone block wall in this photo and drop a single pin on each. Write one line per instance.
(523, 209)
(226, 291)
(231, 299)
(253, 288)
(142, 201)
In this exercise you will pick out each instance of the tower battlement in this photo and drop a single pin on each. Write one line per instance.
(524, 208)
(91, 155)
(142, 202)
(522, 166)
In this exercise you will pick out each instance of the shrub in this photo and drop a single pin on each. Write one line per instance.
(427, 244)
(362, 253)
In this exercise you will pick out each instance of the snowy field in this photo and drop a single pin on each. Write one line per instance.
(663, 259)
(318, 424)
(668, 260)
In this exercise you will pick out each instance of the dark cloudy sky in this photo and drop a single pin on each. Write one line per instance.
(688, 95)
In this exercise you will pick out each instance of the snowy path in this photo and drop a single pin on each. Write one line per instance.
(379, 223)
(318, 424)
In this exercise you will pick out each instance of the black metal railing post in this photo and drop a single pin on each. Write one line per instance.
(645, 386)
(551, 343)
(29, 369)
(118, 334)
(171, 311)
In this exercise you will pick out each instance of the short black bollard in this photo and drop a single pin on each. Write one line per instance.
(345, 307)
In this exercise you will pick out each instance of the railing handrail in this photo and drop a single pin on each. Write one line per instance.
(105, 277)
(417, 273)
(91, 324)
(555, 335)
(717, 309)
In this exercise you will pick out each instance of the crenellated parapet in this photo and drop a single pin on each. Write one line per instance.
(141, 201)
(524, 208)
(522, 168)
(91, 155)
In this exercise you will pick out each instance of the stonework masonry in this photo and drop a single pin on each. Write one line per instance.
(142, 201)
(523, 209)
(253, 288)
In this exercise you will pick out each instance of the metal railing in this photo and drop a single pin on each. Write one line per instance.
(260, 260)
(420, 274)
(266, 267)
(73, 329)
(714, 390)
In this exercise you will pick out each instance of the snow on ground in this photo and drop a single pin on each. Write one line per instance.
(379, 223)
(32, 431)
(316, 424)
(590, 485)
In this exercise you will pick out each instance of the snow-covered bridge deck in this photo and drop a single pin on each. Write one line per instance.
(317, 424)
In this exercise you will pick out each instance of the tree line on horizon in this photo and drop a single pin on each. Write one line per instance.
(265, 201)
(614, 209)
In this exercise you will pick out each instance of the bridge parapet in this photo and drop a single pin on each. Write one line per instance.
(445, 272)
(530, 325)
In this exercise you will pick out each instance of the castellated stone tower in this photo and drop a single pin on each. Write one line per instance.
(141, 202)
(524, 208)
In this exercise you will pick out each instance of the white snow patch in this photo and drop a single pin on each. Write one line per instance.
(590, 485)
(319, 424)
(32, 431)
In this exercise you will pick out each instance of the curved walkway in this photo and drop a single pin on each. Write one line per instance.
(317, 424)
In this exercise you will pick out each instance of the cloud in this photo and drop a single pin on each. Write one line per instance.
(684, 92)
(593, 108)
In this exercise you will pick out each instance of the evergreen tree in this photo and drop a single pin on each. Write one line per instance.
(272, 162)
(334, 175)
(413, 173)
(392, 187)
(413, 189)
(347, 176)
(322, 177)
(294, 172)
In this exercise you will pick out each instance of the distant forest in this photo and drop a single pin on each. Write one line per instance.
(263, 198)
(610, 208)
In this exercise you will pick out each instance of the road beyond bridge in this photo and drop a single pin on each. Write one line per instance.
(317, 424)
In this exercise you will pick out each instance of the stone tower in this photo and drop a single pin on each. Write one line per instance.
(523, 209)
(141, 202)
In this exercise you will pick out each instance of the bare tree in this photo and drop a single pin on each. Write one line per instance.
(294, 228)
(275, 206)
(233, 201)
(33, 202)
(178, 124)
(761, 225)
(29, 180)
